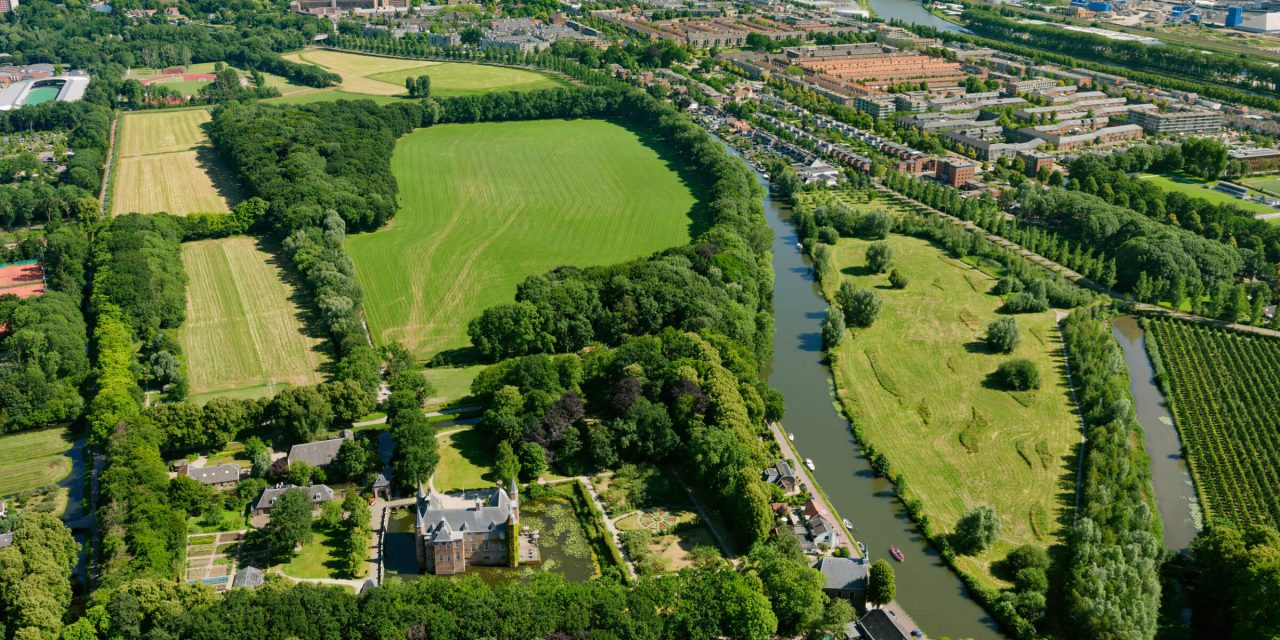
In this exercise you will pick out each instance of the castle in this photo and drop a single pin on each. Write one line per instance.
(474, 528)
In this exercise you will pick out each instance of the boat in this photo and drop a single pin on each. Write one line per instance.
(847, 524)
(896, 553)
(808, 462)
(791, 437)
(799, 245)
(862, 546)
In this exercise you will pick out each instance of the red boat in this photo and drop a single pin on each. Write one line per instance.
(896, 553)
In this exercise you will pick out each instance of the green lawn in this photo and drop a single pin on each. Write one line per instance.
(465, 462)
(33, 459)
(483, 206)
(1203, 189)
(916, 382)
(461, 79)
(451, 384)
(1269, 183)
(317, 559)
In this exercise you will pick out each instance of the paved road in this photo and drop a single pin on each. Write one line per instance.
(435, 414)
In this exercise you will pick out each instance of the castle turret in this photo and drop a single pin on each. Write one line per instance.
(513, 492)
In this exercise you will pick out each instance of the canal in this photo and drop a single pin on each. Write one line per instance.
(912, 12)
(1175, 493)
(931, 594)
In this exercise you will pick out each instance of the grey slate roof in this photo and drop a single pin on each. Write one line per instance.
(318, 454)
(219, 474)
(318, 493)
(381, 481)
(843, 573)
(247, 578)
(440, 524)
(6, 539)
(878, 625)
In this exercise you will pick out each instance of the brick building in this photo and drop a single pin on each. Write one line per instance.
(451, 531)
(955, 171)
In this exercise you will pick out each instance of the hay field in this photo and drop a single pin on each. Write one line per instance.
(355, 70)
(460, 79)
(483, 206)
(245, 335)
(917, 381)
(33, 459)
(166, 164)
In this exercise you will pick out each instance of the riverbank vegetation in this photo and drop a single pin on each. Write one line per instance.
(1223, 391)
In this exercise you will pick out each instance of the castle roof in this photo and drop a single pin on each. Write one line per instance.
(447, 518)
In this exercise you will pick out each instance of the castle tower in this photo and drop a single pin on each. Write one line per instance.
(513, 492)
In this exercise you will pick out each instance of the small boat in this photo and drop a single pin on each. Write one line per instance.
(896, 553)
(799, 245)
(808, 462)
(791, 437)
(862, 546)
(847, 524)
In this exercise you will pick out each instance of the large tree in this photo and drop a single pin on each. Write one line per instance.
(978, 529)
(35, 572)
(290, 522)
(882, 588)
(300, 413)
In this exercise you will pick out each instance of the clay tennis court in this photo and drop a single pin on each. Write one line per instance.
(23, 279)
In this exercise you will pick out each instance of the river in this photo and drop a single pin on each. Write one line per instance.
(931, 594)
(910, 11)
(1175, 493)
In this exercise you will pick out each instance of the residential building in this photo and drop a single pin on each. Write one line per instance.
(844, 578)
(222, 476)
(879, 625)
(318, 493)
(782, 475)
(452, 532)
(877, 107)
(8, 5)
(955, 172)
(320, 453)
(1178, 122)
(1033, 160)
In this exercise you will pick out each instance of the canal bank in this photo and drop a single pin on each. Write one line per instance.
(927, 589)
(1175, 492)
(911, 12)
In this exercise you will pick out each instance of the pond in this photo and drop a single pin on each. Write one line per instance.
(564, 546)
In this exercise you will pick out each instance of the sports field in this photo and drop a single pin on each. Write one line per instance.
(916, 381)
(245, 336)
(1203, 189)
(370, 76)
(483, 206)
(166, 164)
(1269, 183)
(33, 459)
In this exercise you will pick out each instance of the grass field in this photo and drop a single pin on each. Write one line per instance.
(245, 335)
(451, 384)
(1203, 189)
(166, 164)
(1268, 183)
(486, 205)
(317, 559)
(382, 79)
(465, 462)
(916, 380)
(33, 459)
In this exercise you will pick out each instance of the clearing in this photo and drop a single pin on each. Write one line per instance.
(245, 333)
(465, 462)
(483, 206)
(366, 76)
(166, 164)
(1203, 189)
(916, 381)
(33, 459)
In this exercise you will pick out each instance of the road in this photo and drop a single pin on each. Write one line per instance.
(434, 414)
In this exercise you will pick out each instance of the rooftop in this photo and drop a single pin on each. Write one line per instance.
(318, 454)
(219, 474)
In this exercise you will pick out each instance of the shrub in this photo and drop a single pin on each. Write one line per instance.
(977, 530)
(832, 330)
(1018, 374)
(828, 235)
(898, 279)
(1003, 335)
(863, 308)
(1025, 303)
(879, 256)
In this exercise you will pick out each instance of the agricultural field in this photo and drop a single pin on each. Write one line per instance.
(167, 164)
(483, 206)
(375, 77)
(245, 334)
(33, 459)
(1203, 189)
(916, 381)
(1224, 387)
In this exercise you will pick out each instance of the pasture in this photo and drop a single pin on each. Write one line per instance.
(483, 206)
(166, 164)
(916, 381)
(1203, 189)
(33, 459)
(382, 79)
(245, 334)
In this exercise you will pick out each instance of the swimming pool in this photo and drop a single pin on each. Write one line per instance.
(39, 95)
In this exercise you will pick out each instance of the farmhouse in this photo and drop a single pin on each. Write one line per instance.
(223, 476)
(318, 493)
(844, 578)
(321, 453)
(782, 475)
(453, 531)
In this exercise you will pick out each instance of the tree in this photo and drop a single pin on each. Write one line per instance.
(832, 329)
(289, 523)
(347, 399)
(300, 413)
(793, 588)
(359, 534)
(299, 473)
(355, 459)
(977, 530)
(882, 588)
(417, 450)
(533, 461)
(1003, 335)
(505, 464)
(879, 256)
(898, 279)
(188, 495)
(35, 576)
(863, 309)
(1019, 374)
